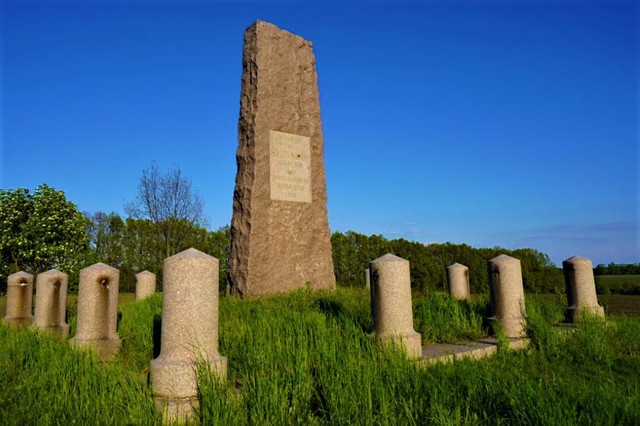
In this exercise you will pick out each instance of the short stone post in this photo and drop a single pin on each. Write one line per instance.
(458, 276)
(391, 303)
(367, 279)
(19, 300)
(145, 284)
(581, 289)
(189, 332)
(51, 302)
(507, 295)
(98, 311)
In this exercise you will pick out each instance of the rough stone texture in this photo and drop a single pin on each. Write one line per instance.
(581, 289)
(189, 331)
(51, 303)
(507, 295)
(98, 311)
(367, 279)
(19, 300)
(279, 240)
(145, 284)
(458, 276)
(391, 303)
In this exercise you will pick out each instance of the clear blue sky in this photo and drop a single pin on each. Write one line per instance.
(492, 123)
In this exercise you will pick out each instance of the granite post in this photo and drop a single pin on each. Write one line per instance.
(280, 237)
(458, 276)
(367, 278)
(145, 284)
(98, 311)
(581, 289)
(19, 300)
(507, 295)
(189, 333)
(391, 303)
(51, 303)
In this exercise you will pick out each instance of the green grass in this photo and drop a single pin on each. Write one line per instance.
(308, 358)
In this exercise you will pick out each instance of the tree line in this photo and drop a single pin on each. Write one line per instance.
(44, 230)
(352, 253)
(617, 269)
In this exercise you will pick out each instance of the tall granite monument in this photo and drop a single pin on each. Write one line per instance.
(280, 237)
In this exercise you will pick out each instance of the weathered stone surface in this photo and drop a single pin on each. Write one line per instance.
(98, 311)
(581, 289)
(280, 236)
(391, 303)
(145, 284)
(507, 295)
(51, 303)
(19, 300)
(458, 276)
(367, 278)
(189, 332)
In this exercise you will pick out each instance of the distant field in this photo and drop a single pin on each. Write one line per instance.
(618, 284)
(619, 279)
(614, 304)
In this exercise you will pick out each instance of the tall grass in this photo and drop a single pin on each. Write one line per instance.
(440, 318)
(309, 358)
(45, 381)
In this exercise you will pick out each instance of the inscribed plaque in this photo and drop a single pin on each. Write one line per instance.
(290, 158)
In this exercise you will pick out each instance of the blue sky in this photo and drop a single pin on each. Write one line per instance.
(492, 123)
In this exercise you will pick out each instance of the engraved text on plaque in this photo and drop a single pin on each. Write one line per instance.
(290, 158)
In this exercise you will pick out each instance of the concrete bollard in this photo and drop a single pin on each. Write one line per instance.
(458, 276)
(507, 295)
(581, 289)
(391, 303)
(145, 284)
(51, 303)
(98, 311)
(19, 300)
(189, 332)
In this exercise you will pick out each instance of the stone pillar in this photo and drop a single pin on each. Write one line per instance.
(145, 284)
(19, 300)
(367, 279)
(581, 289)
(280, 238)
(458, 276)
(391, 303)
(507, 295)
(189, 331)
(51, 302)
(98, 311)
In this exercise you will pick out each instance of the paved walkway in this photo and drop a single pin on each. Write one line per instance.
(475, 349)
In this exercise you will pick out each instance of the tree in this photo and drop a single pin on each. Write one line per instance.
(41, 231)
(171, 204)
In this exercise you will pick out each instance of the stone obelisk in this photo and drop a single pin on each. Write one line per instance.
(280, 237)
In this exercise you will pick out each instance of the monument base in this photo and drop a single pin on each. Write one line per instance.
(513, 328)
(177, 410)
(105, 349)
(175, 384)
(58, 331)
(15, 323)
(574, 314)
(411, 342)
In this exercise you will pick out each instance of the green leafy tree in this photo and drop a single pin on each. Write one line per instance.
(40, 231)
